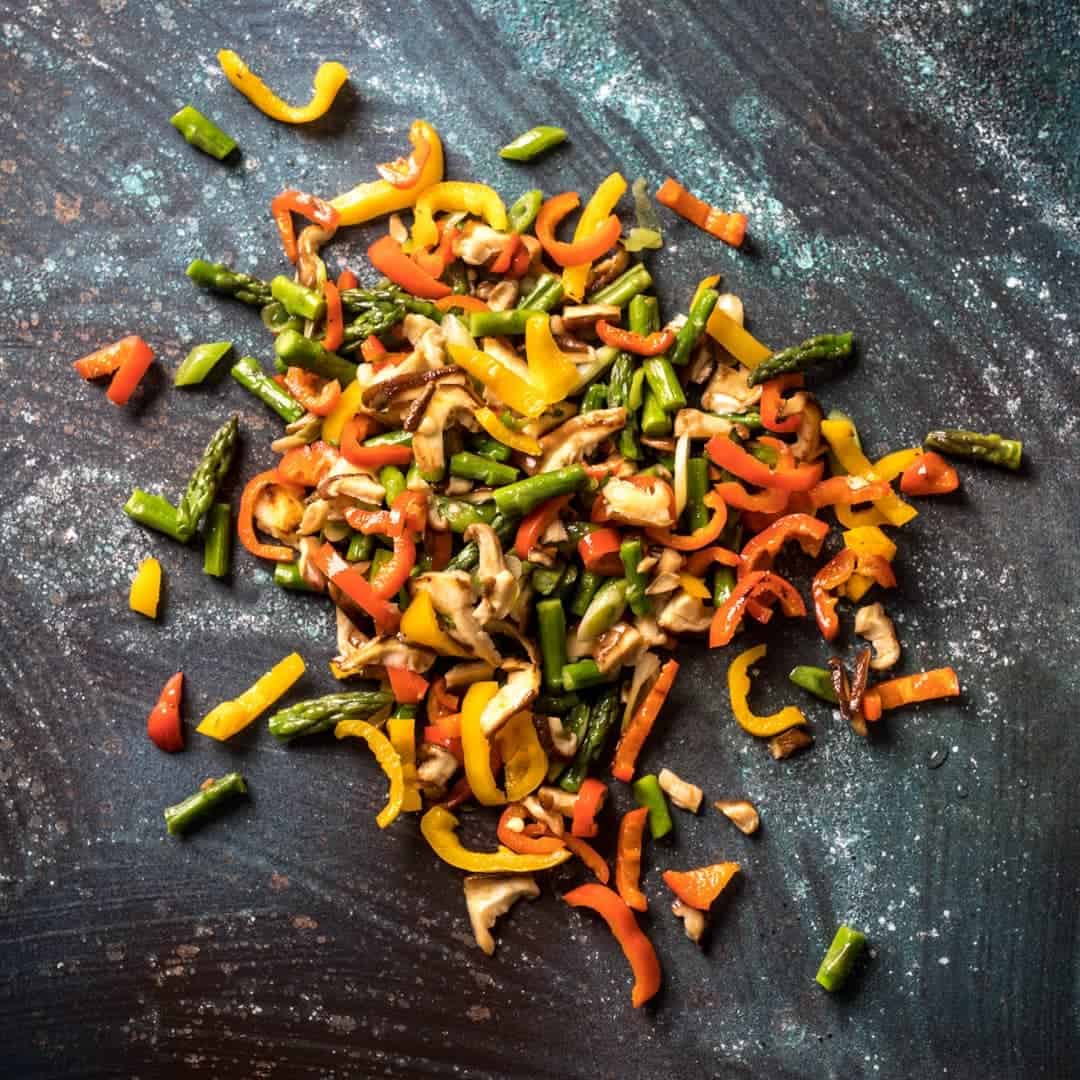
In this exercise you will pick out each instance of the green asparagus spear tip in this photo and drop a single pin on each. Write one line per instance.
(322, 714)
(181, 817)
(222, 279)
(551, 630)
(800, 357)
(991, 449)
(207, 477)
(249, 374)
(602, 718)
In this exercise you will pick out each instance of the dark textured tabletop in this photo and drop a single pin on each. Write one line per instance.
(910, 172)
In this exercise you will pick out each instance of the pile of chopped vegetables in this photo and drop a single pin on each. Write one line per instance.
(520, 485)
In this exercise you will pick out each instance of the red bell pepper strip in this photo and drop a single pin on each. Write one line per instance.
(699, 538)
(505, 259)
(135, 358)
(772, 398)
(700, 561)
(370, 457)
(531, 840)
(699, 888)
(409, 513)
(311, 207)
(731, 228)
(586, 250)
(759, 551)
(106, 360)
(879, 568)
(535, 524)
(307, 465)
(405, 172)
(590, 798)
(372, 350)
(628, 858)
(245, 519)
(466, 303)
(439, 737)
(334, 334)
(637, 731)
(407, 686)
(636, 947)
(440, 546)
(316, 394)
(826, 582)
(643, 344)
(441, 703)
(847, 490)
(763, 585)
(388, 258)
(163, 724)
(766, 501)
(356, 587)
(523, 259)
(908, 689)
(589, 856)
(929, 474)
(347, 280)
(599, 551)
(729, 455)
(459, 793)
(393, 574)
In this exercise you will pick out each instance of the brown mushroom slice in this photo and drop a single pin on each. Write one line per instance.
(872, 623)
(450, 404)
(700, 425)
(467, 673)
(564, 743)
(544, 815)
(789, 742)
(574, 440)
(729, 390)
(608, 269)
(682, 793)
(298, 433)
(427, 338)
(685, 614)
(558, 801)
(519, 690)
(358, 655)
(630, 504)
(279, 511)
(741, 813)
(578, 317)
(694, 922)
(350, 481)
(487, 896)
(645, 672)
(808, 445)
(480, 244)
(617, 647)
(435, 767)
(503, 296)
(498, 586)
(452, 597)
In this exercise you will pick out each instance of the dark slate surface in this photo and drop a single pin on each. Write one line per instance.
(910, 172)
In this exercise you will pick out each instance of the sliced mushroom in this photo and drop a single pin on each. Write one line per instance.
(636, 504)
(487, 896)
(645, 672)
(872, 623)
(311, 574)
(702, 362)
(670, 561)
(808, 445)
(504, 296)
(498, 587)
(316, 515)
(480, 244)
(729, 390)
(649, 628)
(379, 652)
(684, 795)
(557, 800)
(694, 922)
(685, 614)
(450, 404)
(461, 675)
(350, 481)
(577, 438)
(452, 596)
(508, 629)
(663, 583)
(298, 433)
(564, 743)
(580, 317)
(549, 419)
(789, 742)
(608, 269)
(619, 646)
(552, 820)
(435, 767)
(279, 511)
(700, 425)
(741, 813)
(514, 695)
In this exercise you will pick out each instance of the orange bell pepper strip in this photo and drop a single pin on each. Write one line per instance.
(909, 689)
(730, 614)
(347, 280)
(628, 858)
(535, 524)
(291, 201)
(590, 798)
(700, 561)
(766, 501)
(759, 551)
(404, 173)
(370, 457)
(441, 702)
(407, 686)
(771, 400)
(589, 856)
(641, 724)
(317, 395)
(135, 360)
(465, 303)
(245, 519)
(642, 344)
(308, 465)
(530, 840)
(603, 201)
(105, 361)
(388, 258)
(334, 334)
(834, 574)
(699, 538)
(356, 587)
(580, 251)
(731, 228)
(846, 491)
(929, 474)
(636, 947)
(505, 259)
(699, 888)
(372, 350)
(729, 455)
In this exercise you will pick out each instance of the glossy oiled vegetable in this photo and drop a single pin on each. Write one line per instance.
(801, 357)
(250, 375)
(217, 542)
(207, 477)
(323, 714)
(185, 815)
(991, 449)
(223, 279)
(533, 143)
(200, 362)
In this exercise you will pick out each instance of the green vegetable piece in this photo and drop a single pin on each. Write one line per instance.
(690, 333)
(393, 483)
(555, 704)
(575, 724)
(486, 446)
(803, 356)
(217, 542)
(359, 301)
(184, 815)
(202, 133)
(200, 362)
(991, 449)
(545, 579)
(249, 374)
(524, 210)
(587, 585)
(533, 143)
(287, 576)
(723, 584)
(475, 467)
(655, 422)
(324, 713)
(359, 550)
(207, 477)
(546, 293)
(583, 674)
(602, 719)
(525, 495)
(624, 288)
(500, 323)
(295, 350)
(398, 437)
(644, 211)
(297, 299)
(817, 680)
(840, 959)
(631, 552)
(648, 793)
(551, 630)
(469, 555)
(605, 609)
(697, 487)
(643, 239)
(459, 515)
(596, 397)
(157, 513)
(223, 279)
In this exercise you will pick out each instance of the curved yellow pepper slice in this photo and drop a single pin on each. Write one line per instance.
(329, 79)
(866, 540)
(742, 345)
(506, 385)
(475, 745)
(477, 199)
(226, 719)
(420, 625)
(373, 198)
(146, 588)
(551, 370)
(343, 412)
(387, 758)
(892, 465)
(694, 586)
(526, 760)
(526, 444)
(597, 210)
(401, 730)
(438, 826)
(841, 437)
(738, 680)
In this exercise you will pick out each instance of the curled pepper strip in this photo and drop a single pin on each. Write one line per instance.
(329, 79)
(642, 344)
(589, 856)
(590, 798)
(476, 746)
(699, 538)
(636, 947)
(317, 395)
(245, 519)
(420, 625)
(386, 256)
(290, 202)
(388, 761)
(334, 335)
(759, 551)
(551, 371)
(477, 199)
(580, 251)
(908, 689)
(526, 761)
(307, 465)
(357, 588)
(772, 401)
(738, 678)
(729, 455)
(401, 731)
(731, 228)
(766, 501)
(628, 858)
(531, 840)
(438, 827)
(405, 172)
(835, 573)
(756, 585)
(641, 724)
(504, 382)
(369, 457)
(847, 490)
(602, 203)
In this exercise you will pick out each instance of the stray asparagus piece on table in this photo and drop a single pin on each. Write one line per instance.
(207, 477)
(223, 279)
(323, 714)
(803, 356)
(990, 448)
(181, 817)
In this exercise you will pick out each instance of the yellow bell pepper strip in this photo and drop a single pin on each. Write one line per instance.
(387, 758)
(420, 625)
(551, 370)
(476, 199)
(329, 79)
(438, 826)
(526, 760)
(694, 586)
(475, 745)
(892, 465)
(739, 687)
(743, 346)
(374, 198)
(596, 212)
(145, 591)
(229, 717)
(841, 437)
(505, 383)
(345, 409)
(401, 731)
(525, 444)
(866, 540)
